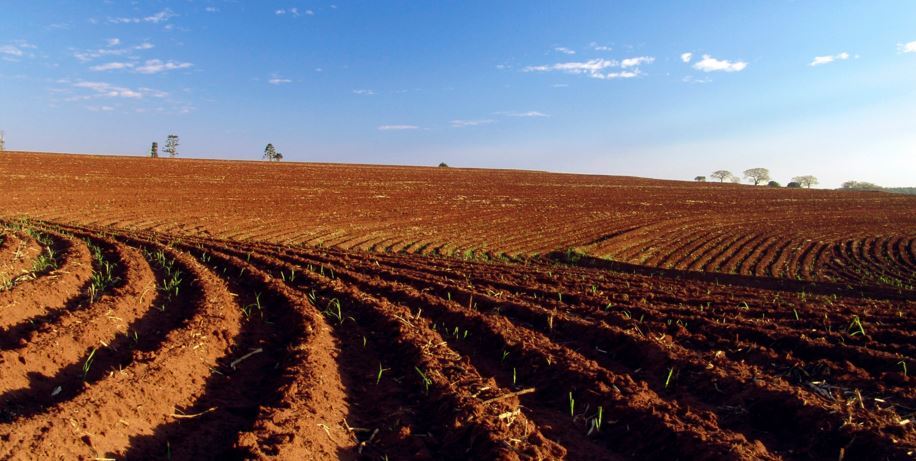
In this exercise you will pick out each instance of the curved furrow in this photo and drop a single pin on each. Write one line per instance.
(52, 294)
(703, 254)
(783, 400)
(45, 359)
(715, 262)
(459, 423)
(747, 265)
(265, 380)
(119, 402)
(583, 373)
(767, 266)
(676, 257)
(19, 254)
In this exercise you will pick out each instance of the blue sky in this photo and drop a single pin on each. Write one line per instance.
(801, 87)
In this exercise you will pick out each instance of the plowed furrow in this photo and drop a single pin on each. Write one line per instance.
(53, 356)
(125, 404)
(452, 381)
(497, 327)
(47, 297)
(253, 388)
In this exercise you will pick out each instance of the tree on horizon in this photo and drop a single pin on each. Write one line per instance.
(271, 154)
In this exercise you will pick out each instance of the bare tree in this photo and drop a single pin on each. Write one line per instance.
(757, 175)
(735, 180)
(700, 179)
(171, 145)
(154, 150)
(805, 181)
(271, 154)
(722, 175)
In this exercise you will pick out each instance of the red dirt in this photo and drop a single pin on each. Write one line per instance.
(210, 348)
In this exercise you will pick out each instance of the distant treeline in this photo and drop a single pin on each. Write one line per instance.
(901, 190)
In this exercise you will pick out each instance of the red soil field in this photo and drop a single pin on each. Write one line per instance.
(190, 309)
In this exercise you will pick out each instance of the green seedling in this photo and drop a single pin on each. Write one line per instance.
(88, 363)
(670, 375)
(903, 364)
(378, 377)
(514, 376)
(334, 310)
(426, 381)
(857, 326)
(598, 420)
(572, 405)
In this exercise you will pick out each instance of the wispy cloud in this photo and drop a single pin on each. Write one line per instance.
(155, 66)
(637, 61)
(692, 79)
(397, 127)
(598, 47)
(15, 50)
(907, 47)
(11, 50)
(596, 68)
(157, 18)
(276, 79)
(711, 64)
(102, 89)
(112, 66)
(89, 55)
(528, 114)
(564, 50)
(364, 92)
(467, 123)
(686, 57)
(211, 9)
(821, 60)
(290, 11)
(113, 42)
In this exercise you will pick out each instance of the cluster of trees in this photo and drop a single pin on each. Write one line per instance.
(2, 142)
(758, 176)
(171, 147)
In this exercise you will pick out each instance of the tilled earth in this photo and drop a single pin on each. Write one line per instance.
(137, 344)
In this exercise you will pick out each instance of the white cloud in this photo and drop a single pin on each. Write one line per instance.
(564, 50)
(597, 47)
(211, 9)
(820, 60)
(290, 11)
(466, 123)
(113, 42)
(907, 47)
(11, 50)
(711, 64)
(364, 92)
(692, 79)
(596, 68)
(397, 127)
(636, 62)
(100, 108)
(112, 66)
(155, 66)
(591, 66)
(560, 85)
(528, 114)
(161, 16)
(108, 90)
(276, 79)
(89, 55)
(309, 13)
(686, 57)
